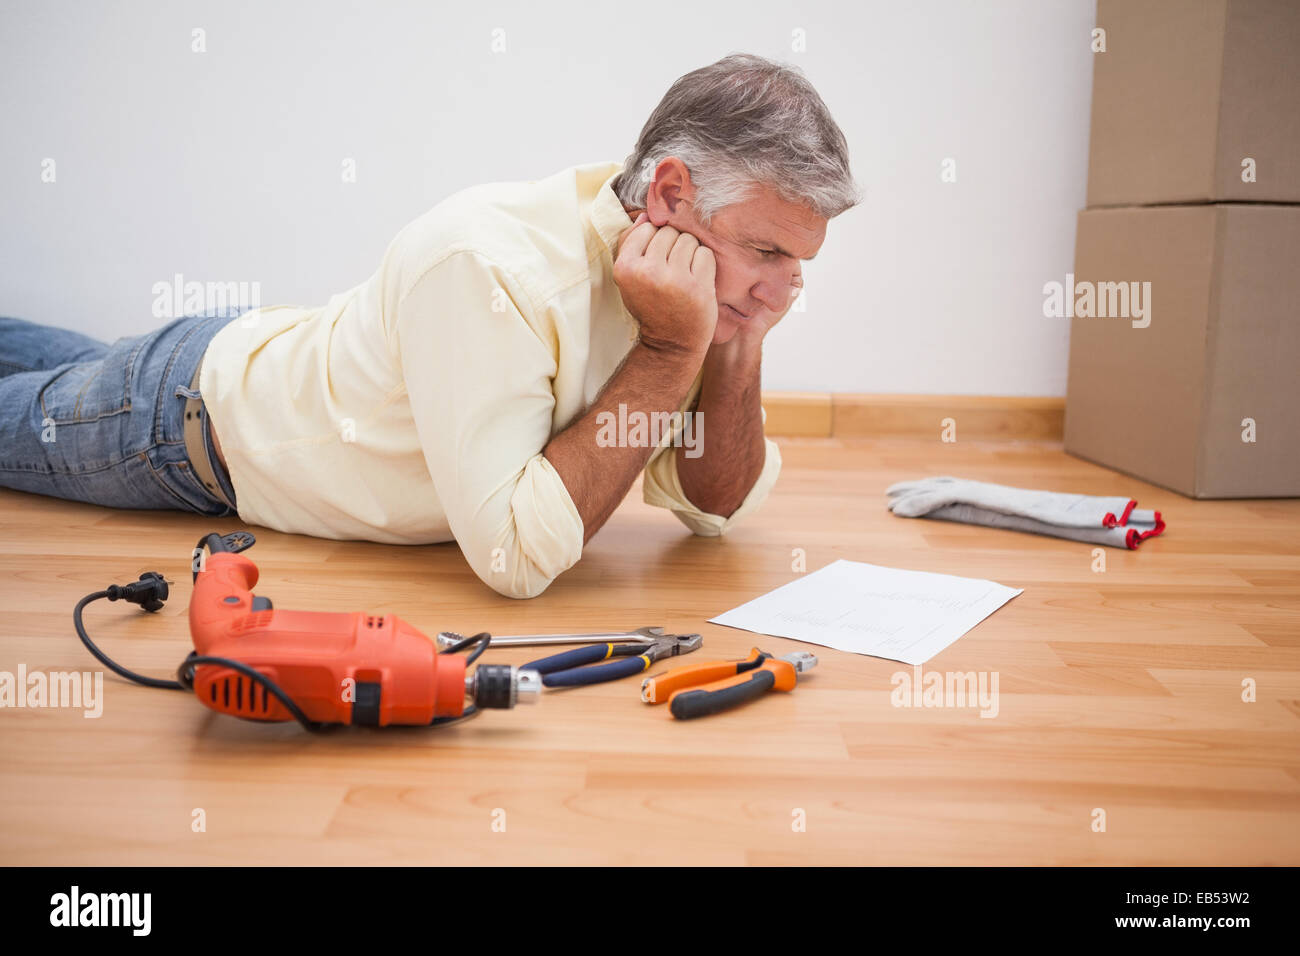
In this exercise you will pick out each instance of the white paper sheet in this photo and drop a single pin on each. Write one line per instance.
(907, 616)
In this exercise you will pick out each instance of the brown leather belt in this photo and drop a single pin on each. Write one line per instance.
(205, 469)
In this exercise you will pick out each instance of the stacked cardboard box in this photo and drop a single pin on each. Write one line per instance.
(1185, 297)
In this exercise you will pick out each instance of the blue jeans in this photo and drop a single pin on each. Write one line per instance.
(105, 423)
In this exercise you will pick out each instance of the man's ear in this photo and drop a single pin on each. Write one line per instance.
(669, 188)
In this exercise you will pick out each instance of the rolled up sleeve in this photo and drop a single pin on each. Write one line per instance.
(662, 488)
(478, 363)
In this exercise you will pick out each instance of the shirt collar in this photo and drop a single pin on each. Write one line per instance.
(608, 216)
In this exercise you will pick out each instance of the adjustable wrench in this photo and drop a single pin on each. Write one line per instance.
(642, 635)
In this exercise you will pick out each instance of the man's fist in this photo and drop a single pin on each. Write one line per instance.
(666, 280)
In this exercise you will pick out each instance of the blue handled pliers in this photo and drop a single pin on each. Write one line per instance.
(569, 668)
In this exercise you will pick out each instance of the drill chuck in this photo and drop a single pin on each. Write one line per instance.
(502, 686)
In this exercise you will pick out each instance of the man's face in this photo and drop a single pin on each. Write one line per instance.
(760, 245)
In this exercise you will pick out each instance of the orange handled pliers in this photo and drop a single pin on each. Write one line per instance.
(697, 690)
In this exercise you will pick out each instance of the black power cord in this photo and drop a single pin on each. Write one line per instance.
(482, 638)
(150, 591)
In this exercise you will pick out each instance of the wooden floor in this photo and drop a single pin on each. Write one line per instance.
(1120, 691)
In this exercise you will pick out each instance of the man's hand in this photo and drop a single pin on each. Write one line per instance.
(666, 280)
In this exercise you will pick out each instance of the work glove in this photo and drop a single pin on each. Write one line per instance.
(1112, 521)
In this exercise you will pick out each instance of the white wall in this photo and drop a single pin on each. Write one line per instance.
(225, 165)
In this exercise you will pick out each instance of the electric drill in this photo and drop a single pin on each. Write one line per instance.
(255, 662)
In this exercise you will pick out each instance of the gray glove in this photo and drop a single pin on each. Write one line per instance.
(1110, 521)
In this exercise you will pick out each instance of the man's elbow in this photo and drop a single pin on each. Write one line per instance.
(518, 586)
(520, 548)
(515, 568)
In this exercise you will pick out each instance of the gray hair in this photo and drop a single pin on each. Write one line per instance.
(742, 122)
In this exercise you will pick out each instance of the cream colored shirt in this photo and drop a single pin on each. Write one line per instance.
(414, 408)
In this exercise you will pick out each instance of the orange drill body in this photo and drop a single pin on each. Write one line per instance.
(336, 667)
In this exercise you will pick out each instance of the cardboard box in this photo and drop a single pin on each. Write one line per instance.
(1197, 388)
(1185, 92)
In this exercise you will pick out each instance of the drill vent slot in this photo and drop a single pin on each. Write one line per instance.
(250, 621)
(248, 697)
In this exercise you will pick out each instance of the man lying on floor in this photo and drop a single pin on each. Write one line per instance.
(489, 382)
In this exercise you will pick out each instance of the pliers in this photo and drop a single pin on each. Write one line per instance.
(697, 690)
(568, 669)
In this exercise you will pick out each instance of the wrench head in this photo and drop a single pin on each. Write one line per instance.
(446, 639)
